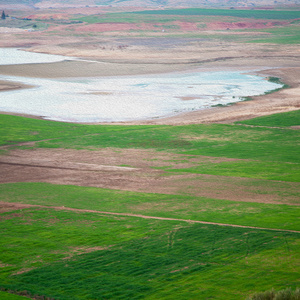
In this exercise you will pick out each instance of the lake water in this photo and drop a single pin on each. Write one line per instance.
(123, 98)
(13, 56)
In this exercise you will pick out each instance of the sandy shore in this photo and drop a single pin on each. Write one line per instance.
(277, 102)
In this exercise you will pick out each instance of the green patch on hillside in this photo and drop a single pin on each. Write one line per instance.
(14, 130)
(186, 207)
(272, 294)
(68, 255)
(125, 18)
(279, 35)
(256, 14)
(287, 119)
(9, 296)
(246, 168)
(263, 144)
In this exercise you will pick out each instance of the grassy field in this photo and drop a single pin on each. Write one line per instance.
(160, 205)
(233, 141)
(68, 255)
(259, 152)
(280, 35)
(257, 14)
(9, 296)
(287, 119)
(63, 254)
(167, 15)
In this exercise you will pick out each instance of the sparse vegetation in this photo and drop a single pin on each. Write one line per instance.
(280, 35)
(287, 294)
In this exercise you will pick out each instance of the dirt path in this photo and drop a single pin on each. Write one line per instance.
(17, 206)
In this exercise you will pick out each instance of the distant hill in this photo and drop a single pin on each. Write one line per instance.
(149, 3)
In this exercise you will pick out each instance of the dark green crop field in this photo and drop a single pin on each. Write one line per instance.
(76, 242)
(67, 255)
(256, 14)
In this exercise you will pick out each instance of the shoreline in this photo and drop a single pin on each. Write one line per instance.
(283, 100)
(279, 101)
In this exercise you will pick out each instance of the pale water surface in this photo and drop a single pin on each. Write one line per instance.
(13, 56)
(126, 98)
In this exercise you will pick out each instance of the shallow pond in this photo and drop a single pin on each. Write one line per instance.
(124, 98)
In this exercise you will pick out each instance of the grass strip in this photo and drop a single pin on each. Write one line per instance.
(256, 14)
(160, 205)
(219, 140)
(10, 296)
(287, 119)
(246, 168)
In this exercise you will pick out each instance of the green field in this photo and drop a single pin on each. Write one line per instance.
(167, 15)
(67, 255)
(287, 119)
(63, 254)
(160, 205)
(280, 35)
(256, 14)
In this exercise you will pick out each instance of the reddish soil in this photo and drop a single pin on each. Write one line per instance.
(55, 16)
(187, 26)
(178, 26)
(245, 25)
(102, 27)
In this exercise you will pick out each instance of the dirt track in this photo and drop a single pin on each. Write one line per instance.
(5, 206)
